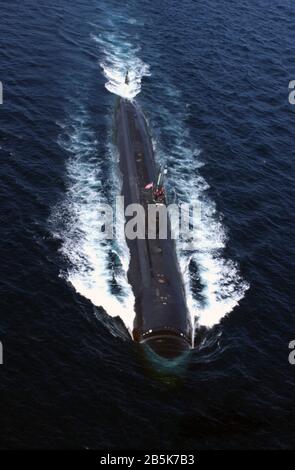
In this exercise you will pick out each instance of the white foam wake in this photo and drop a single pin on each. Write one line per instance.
(221, 284)
(119, 56)
(76, 221)
(95, 265)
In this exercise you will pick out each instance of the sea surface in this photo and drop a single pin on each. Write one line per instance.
(212, 79)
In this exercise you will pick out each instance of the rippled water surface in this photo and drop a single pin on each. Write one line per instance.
(212, 78)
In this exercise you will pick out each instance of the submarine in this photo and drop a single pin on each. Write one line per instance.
(162, 321)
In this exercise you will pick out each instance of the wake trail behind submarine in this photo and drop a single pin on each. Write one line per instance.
(74, 220)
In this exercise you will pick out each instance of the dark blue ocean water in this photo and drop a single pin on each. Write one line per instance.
(212, 77)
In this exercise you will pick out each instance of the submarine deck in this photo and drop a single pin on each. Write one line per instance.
(153, 271)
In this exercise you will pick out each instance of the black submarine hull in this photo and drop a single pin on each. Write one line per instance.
(162, 319)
